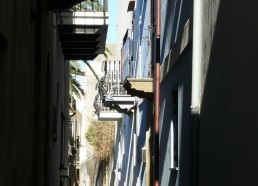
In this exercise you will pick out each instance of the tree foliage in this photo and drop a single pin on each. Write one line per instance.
(75, 86)
(101, 136)
(93, 5)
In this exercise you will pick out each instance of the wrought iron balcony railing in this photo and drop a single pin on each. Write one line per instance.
(109, 84)
(136, 63)
(136, 54)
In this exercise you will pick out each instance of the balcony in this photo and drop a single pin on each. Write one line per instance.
(141, 87)
(112, 109)
(82, 32)
(55, 5)
(112, 99)
(61, 4)
(137, 78)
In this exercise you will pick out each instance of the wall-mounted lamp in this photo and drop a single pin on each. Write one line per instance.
(109, 95)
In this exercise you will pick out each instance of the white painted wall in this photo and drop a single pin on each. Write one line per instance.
(124, 22)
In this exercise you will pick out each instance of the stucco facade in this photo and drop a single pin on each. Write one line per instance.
(213, 143)
(34, 96)
(35, 89)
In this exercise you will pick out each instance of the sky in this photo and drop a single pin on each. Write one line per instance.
(112, 33)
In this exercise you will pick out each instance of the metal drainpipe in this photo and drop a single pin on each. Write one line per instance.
(149, 132)
(157, 94)
(197, 60)
(197, 56)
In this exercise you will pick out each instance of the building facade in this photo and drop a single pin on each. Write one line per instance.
(208, 103)
(34, 97)
(37, 39)
(123, 96)
(204, 119)
(203, 73)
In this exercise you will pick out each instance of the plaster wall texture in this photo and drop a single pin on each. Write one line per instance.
(28, 79)
(174, 15)
(228, 121)
(89, 166)
(176, 86)
(124, 22)
(227, 126)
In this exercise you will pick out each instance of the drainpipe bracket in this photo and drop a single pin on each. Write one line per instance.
(195, 110)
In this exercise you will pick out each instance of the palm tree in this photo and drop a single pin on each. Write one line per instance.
(75, 86)
(107, 53)
(92, 70)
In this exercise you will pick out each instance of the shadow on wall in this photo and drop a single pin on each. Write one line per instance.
(3, 42)
(173, 177)
(99, 179)
(177, 14)
(180, 80)
(228, 123)
(115, 155)
(127, 140)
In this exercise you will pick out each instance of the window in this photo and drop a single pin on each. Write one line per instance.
(174, 131)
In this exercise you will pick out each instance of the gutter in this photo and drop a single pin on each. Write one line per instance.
(197, 56)
(150, 126)
(197, 60)
(157, 95)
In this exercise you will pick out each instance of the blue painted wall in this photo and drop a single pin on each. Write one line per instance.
(174, 15)
(126, 141)
(180, 79)
(141, 37)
